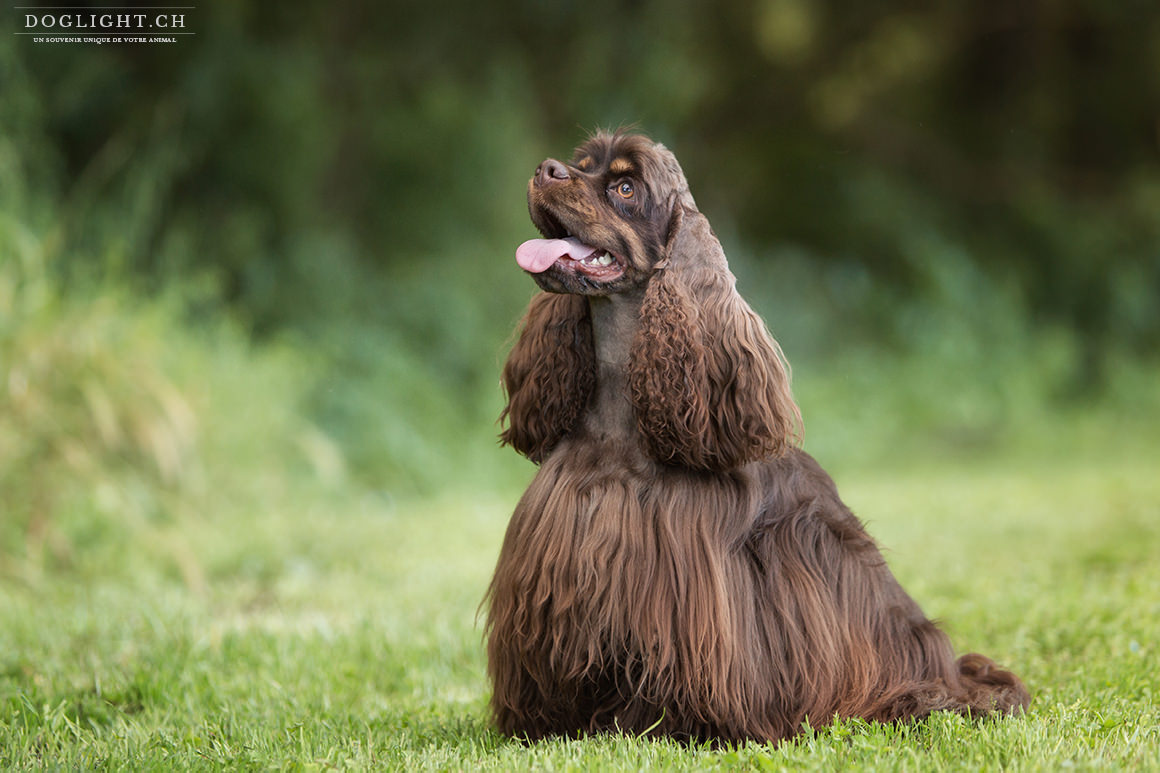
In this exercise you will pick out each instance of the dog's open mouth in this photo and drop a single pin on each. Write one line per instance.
(570, 254)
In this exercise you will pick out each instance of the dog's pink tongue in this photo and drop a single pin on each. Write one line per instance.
(538, 255)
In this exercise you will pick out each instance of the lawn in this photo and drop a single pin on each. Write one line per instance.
(342, 632)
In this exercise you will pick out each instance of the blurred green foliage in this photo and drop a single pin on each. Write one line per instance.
(387, 139)
(953, 206)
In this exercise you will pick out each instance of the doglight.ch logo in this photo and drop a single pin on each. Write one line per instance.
(112, 24)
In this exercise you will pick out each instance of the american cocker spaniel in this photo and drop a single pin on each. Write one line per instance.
(679, 566)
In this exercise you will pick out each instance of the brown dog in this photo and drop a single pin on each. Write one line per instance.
(678, 566)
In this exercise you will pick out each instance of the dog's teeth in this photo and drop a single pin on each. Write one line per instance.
(603, 259)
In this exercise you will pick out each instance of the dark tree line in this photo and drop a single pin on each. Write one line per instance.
(1028, 133)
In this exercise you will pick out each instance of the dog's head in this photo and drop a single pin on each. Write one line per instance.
(707, 382)
(607, 216)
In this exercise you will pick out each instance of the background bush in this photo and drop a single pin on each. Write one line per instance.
(284, 244)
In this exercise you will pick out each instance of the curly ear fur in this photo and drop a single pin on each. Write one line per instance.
(549, 375)
(709, 384)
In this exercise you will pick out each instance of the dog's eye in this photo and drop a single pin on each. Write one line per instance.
(625, 190)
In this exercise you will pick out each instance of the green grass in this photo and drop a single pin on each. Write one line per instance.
(342, 632)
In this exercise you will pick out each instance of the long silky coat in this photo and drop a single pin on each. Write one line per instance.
(679, 566)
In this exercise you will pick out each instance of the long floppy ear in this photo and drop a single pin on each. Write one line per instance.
(549, 375)
(709, 384)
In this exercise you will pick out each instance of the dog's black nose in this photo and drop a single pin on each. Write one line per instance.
(551, 171)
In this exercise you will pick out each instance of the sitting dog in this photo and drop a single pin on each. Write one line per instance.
(679, 566)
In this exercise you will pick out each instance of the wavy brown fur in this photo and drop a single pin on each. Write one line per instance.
(549, 375)
(678, 566)
(707, 380)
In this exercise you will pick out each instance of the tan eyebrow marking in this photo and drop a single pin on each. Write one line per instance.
(584, 163)
(621, 166)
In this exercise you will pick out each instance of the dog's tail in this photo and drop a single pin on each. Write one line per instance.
(989, 688)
